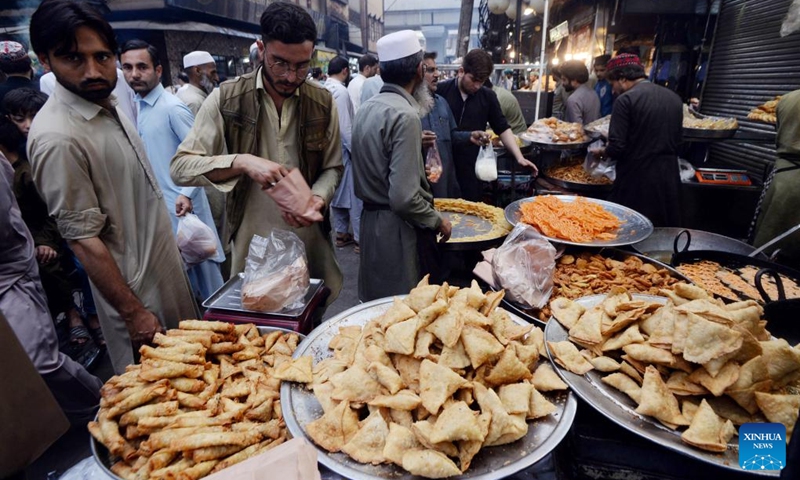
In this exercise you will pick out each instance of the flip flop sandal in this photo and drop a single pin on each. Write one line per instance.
(357, 249)
(78, 333)
(97, 335)
(344, 240)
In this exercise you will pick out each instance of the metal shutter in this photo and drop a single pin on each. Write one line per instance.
(750, 63)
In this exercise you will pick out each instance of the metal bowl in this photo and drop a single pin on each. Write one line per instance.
(661, 244)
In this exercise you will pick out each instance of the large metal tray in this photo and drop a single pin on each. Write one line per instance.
(101, 454)
(578, 187)
(469, 226)
(300, 408)
(620, 409)
(635, 226)
(526, 147)
(229, 299)
(709, 134)
(558, 146)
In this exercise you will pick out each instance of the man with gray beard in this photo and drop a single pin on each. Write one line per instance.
(201, 69)
(399, 224)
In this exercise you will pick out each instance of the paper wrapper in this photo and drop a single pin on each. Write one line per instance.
(293, 195)
(293, 460)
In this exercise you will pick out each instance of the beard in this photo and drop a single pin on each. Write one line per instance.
(91, 90)
(424, 98)
(206, 84)
(283, 83)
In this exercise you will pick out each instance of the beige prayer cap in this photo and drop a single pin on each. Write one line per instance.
(398, 45)
(197, 58)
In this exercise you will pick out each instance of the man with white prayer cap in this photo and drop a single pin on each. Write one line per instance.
(201, 69)
(399, 224)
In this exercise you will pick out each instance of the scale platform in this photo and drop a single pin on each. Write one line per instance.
(720, 176)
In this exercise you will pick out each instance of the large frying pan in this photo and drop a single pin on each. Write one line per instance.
(664, 241)
(783, 315)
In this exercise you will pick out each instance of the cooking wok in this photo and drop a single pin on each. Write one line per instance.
(663, 242)
(782, 314)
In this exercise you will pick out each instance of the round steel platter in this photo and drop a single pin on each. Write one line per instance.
(578, 187)
(620, 409)
(635, 226)
(101, 454)
(300, 408)
(556, 146)
(707, 134)
(526, 147)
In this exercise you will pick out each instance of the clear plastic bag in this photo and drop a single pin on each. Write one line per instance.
(486, 164)
(196, 240)
(524, 267)
(686, 170)
(276, 273)
(596, 167)
(86, 469)
(433, 164)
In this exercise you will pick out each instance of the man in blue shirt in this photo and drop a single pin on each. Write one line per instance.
(163, 122)
(603, 86)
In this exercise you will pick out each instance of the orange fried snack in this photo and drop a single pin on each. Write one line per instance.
(578, 221)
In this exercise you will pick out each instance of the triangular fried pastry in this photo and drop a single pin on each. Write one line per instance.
(468, 450)
(624, 384)
(402, 417)
(545, 379)
(706, 430)
(503, 426)
(457, 422)
(508, 369)
(662, 320)
(402, 400)
(429, 464)
(783, 362)
(535, 337)
(447, 328)
(679, 383)
(297, 370)
(506, 329)
(691, 292)
(516, 397)
(688, 409)
(455, 358)
(423, 431)
(374, 353)
(676, 299)
(612, 301)
(780, 409)
(604, 364)
(437, 384)
(401, 337)
(398, 312)
(334, 429)
(422, 347)
(421, 297)
(425, 281)
(481, 346)
(644, 353)
(323, 391)
(567, 355)
(588, 329)
(431, 312)
(753, 377)
(707, 340)
(539, 406)
(566, 311)
(680, 332)
(367, 444)
(387, 376)
(493, 299)
(354, 385)
(627, 369)
(472, 317)
(628, 336)
(657, 401)
(622, 321)
(726, 377)
(527, 354)
(408, 368)
(399, 441)
(475, 296)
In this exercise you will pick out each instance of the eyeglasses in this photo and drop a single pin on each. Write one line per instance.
(428, 69)
(281, 69)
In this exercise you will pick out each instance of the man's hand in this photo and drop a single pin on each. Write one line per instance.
(264, 172)
(444, 230)
(428, 139)
(142, 326)
(528, 164)
(183, 205)
(45, 254)
(479, 138)
(297, 221)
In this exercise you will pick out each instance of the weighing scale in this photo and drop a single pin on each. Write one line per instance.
(719, 176)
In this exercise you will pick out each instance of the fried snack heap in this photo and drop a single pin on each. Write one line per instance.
(500, 227)
(207, 397)
(767, 112)
(735, 283)
(575, 173)
(578, 221)
(695, 362)
(440, 375)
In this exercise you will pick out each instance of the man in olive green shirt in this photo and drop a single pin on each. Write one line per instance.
(510, 107)
(248, 135)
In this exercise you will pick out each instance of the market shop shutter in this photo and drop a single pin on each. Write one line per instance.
(750, 63)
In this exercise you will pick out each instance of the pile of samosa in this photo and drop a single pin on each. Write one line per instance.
(695, 362)
(440, 375)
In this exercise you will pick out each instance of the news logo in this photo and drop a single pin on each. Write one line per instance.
(762, 446)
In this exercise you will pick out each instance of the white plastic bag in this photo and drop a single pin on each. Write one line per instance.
(686, 170)
(486, 164)
(276, 273)
(196, 240)
(524, 267)
(596, 167)
(86, 469)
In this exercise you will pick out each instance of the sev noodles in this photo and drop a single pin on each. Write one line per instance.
(579, 221)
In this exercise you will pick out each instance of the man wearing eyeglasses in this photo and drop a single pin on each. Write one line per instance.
(253, 130)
